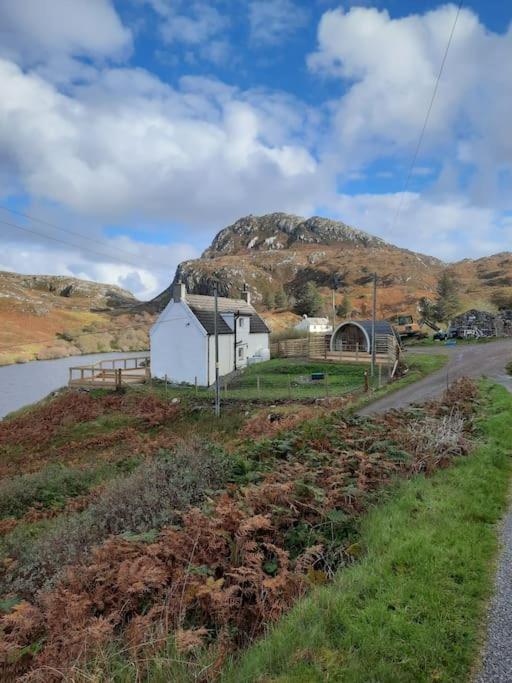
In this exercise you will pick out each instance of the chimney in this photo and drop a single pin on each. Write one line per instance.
(246, 295)
(179, 291)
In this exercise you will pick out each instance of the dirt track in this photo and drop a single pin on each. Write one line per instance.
(476, 361)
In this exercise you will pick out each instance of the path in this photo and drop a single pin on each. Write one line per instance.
(464, 361)
(497, 659)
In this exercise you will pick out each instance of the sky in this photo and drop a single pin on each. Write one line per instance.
(131, 131)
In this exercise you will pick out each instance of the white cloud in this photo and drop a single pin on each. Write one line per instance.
(451, 229)
(149, 270)
(389, 68)
(32, 31)
(203, 22)
(272, 21)
(201, 155)
(198, 26)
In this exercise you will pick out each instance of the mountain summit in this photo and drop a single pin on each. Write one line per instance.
(279, 253)
(285, 231)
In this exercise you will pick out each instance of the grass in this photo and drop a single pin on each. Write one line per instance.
(285, 378)
(411, 610)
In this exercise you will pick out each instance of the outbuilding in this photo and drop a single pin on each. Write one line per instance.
(183, 341)
(356, 335)
(314, 325)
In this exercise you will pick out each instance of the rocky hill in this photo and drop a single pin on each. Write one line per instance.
(281, 251)
(40, 293)
(51, 316)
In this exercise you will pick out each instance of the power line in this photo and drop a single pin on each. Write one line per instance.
(76, 246)
(427, 117)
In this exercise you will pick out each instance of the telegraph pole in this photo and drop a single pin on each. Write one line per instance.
(216, 334)
(333, 309)
(374, 316)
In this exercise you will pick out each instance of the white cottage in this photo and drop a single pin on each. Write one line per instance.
(314, 325)
(183, 342)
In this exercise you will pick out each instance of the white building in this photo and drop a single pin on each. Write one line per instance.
(314, 325)
(183, 342)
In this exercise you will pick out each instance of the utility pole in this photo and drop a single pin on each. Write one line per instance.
(374, 316)
(333, 309)
(216, 334)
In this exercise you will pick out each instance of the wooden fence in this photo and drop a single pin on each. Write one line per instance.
(111, 373)
(317, 347)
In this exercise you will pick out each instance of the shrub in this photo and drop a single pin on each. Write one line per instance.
(48, 488)
(147, 499)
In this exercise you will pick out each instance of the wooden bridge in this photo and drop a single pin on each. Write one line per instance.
(112, 373)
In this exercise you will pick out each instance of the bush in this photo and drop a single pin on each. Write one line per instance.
(48, 488)
(149, 498)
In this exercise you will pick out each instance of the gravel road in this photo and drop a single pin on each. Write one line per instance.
(464, 361)
(497, 658)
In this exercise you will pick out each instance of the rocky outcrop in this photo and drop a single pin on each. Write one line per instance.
(284, 231)
(92, 295)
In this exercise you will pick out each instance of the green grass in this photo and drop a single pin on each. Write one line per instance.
(284, 378)
(411, 610)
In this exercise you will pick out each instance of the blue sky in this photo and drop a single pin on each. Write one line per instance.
(148, 125)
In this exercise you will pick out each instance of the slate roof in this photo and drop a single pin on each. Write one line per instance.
(203, 308)
(207, 320)
(258, 325)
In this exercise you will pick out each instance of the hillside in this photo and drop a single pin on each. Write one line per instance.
(50, 317)
(280, 251)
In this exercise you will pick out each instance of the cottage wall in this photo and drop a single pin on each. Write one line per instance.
(226, 355)
(257, 341)
(179, 346)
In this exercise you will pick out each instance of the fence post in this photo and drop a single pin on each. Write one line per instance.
(226, 387)
(366, 385)
(357, 351)
(380, 375)
(70, 376)
(258, 385)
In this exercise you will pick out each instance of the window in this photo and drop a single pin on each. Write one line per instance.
(240, 353)
(241, 322)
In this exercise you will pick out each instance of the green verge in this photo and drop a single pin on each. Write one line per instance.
(412, 609)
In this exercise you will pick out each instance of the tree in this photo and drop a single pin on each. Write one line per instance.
(281, 299)
(269, 300)
(427, 308)
(447, 302)
(345, 308)
(309, 300)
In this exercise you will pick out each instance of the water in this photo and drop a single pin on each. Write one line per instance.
(27, 383)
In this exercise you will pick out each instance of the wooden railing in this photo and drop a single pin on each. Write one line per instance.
(112, 372)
